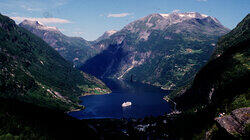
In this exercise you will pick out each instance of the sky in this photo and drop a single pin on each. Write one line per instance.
(91, 18)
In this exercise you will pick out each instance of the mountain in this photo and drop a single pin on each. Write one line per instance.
(216, 104)
(225, 75)
(74, 49)
(164, 50)
(33, 72)
(222, 85)
(106, 35)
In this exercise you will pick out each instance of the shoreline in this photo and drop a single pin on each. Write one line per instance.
(74, 110)
(89, 94)
(82, 106)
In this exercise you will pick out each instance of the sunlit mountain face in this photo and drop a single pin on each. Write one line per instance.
(164, 50)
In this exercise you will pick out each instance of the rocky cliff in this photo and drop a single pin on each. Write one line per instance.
(235, 123)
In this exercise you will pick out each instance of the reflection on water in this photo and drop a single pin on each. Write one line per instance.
(126, 113)
(146, 101)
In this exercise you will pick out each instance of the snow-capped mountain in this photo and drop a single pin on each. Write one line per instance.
(160, 49)
(38, 25)
(106, 35)
(146, 25)
(74, 49)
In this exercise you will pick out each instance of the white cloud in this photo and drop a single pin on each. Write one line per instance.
(42, 20)
(176, 11)
(201, 0)
(30, 9)
(60, 2)
(119, 15)
(33, 9)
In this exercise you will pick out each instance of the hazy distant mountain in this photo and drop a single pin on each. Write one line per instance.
(73, 49)
(160, 49)
(106, 35)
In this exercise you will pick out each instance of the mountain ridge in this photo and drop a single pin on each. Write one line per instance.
(74, 49)
(38, 25)
(145, 44)
(106, 35)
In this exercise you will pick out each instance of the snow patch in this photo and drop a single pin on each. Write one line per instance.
(204, 16)
(165, 15)
(188, 15)
(39, 25)
(173, 18)
(215, 20)
(111, 32)
(31, 23)
(50, 28)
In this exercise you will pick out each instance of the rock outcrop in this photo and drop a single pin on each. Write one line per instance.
(236, 122)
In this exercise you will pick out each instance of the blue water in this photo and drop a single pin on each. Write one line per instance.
(146, 101)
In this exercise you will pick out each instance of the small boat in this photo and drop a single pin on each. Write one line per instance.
(125, 104)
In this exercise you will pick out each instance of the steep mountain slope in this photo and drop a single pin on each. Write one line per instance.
(73, 49)
(226, 75)
(32, 71)
(160, 49)
(222, 85)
